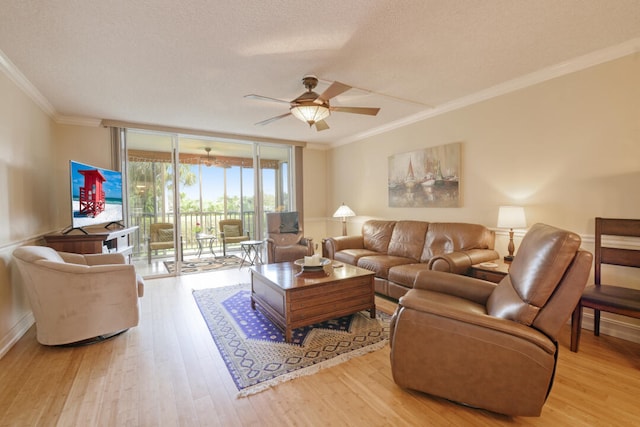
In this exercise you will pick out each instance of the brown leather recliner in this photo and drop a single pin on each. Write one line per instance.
(285, 240)
(486, 345)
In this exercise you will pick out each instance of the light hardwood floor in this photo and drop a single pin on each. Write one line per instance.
(168, 372)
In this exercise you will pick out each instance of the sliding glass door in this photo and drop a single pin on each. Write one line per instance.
(190, 184)
(151, 183)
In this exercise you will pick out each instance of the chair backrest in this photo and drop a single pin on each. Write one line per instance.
(283, 222)
(32, 254)
(228, 224)
(610, 254)
(545, 280)
(161, 232)
(283, 228)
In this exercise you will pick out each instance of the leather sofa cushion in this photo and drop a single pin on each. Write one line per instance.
(408, 239)
(381, 264)
(377, 235)
(406, 274)
(443, 237)
(351, 256)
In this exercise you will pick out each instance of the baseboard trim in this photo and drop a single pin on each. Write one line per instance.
(15, 333)
(612, 327)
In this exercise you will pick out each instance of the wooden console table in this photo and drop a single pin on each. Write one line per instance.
(116, 240)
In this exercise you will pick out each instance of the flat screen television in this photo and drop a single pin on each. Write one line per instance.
(96, 196)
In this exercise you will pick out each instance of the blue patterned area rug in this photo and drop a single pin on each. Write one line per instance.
(254, 349)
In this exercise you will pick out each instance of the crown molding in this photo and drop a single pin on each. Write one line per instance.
(576, 64)
(25, 85)
(77, 121)
(548, 73)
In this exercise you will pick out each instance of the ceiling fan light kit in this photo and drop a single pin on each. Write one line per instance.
(310, 113)
(312, 108)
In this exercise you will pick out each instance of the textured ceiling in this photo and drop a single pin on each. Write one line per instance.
(189, 63)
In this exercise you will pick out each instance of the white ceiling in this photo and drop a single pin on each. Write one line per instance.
(189, 63)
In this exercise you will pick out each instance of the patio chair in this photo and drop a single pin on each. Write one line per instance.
(231, 232)
(160, 237)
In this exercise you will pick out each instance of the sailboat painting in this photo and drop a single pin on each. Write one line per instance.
(428, 178)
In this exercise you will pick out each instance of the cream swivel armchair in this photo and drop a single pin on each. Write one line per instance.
(285, 240)
(486, 345)
(77, 298)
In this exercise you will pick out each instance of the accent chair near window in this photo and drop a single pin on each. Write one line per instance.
(231, 232)
(286, 241)
(160, 237)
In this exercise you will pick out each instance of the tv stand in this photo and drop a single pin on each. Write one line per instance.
(118, 223)
(70, 229)
(92, 241)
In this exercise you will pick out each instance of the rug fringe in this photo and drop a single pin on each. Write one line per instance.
(310, 370)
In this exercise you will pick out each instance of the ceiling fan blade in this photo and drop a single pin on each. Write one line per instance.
(335, 89)
(273, 119)
(369, 111)
(321, 125)
(266, 98)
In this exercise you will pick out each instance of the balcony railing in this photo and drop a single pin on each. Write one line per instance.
(208, 223)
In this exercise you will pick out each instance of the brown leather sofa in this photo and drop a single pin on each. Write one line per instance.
(398, 250)
(486, 345)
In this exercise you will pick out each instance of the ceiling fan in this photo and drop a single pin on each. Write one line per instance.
(313, 108)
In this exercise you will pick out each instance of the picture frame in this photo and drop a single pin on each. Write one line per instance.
(428, 178)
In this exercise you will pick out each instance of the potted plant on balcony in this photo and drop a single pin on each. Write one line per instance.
(198, 229)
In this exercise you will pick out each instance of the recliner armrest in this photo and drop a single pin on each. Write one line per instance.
(429, 302)
(470, 288)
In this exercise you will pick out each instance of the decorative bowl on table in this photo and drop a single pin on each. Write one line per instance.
(313, 266)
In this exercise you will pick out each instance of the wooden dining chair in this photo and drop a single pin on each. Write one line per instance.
(612, 298)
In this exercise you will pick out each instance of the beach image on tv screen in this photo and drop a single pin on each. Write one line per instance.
(96, 195)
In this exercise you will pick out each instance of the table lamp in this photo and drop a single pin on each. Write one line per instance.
(511, 217)
(344, 211)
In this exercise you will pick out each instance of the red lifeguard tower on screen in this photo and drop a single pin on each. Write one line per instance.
(92, 199)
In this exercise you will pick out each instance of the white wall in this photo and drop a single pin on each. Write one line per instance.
(315, 195)
(34, 189)
(26, 201)
(567, 150)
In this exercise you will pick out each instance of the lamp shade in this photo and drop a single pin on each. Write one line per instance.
(344, 211)
(511, 217)
(310, 112)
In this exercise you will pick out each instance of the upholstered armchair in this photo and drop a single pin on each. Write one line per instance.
(486, 345)
(231, 232)
(78, 297)
(285, 241)
(160, 237)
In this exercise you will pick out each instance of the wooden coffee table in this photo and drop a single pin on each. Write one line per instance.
(291, 299)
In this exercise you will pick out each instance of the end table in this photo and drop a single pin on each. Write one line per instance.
(492, 274)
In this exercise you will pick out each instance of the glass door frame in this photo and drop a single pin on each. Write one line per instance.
(293, 179)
